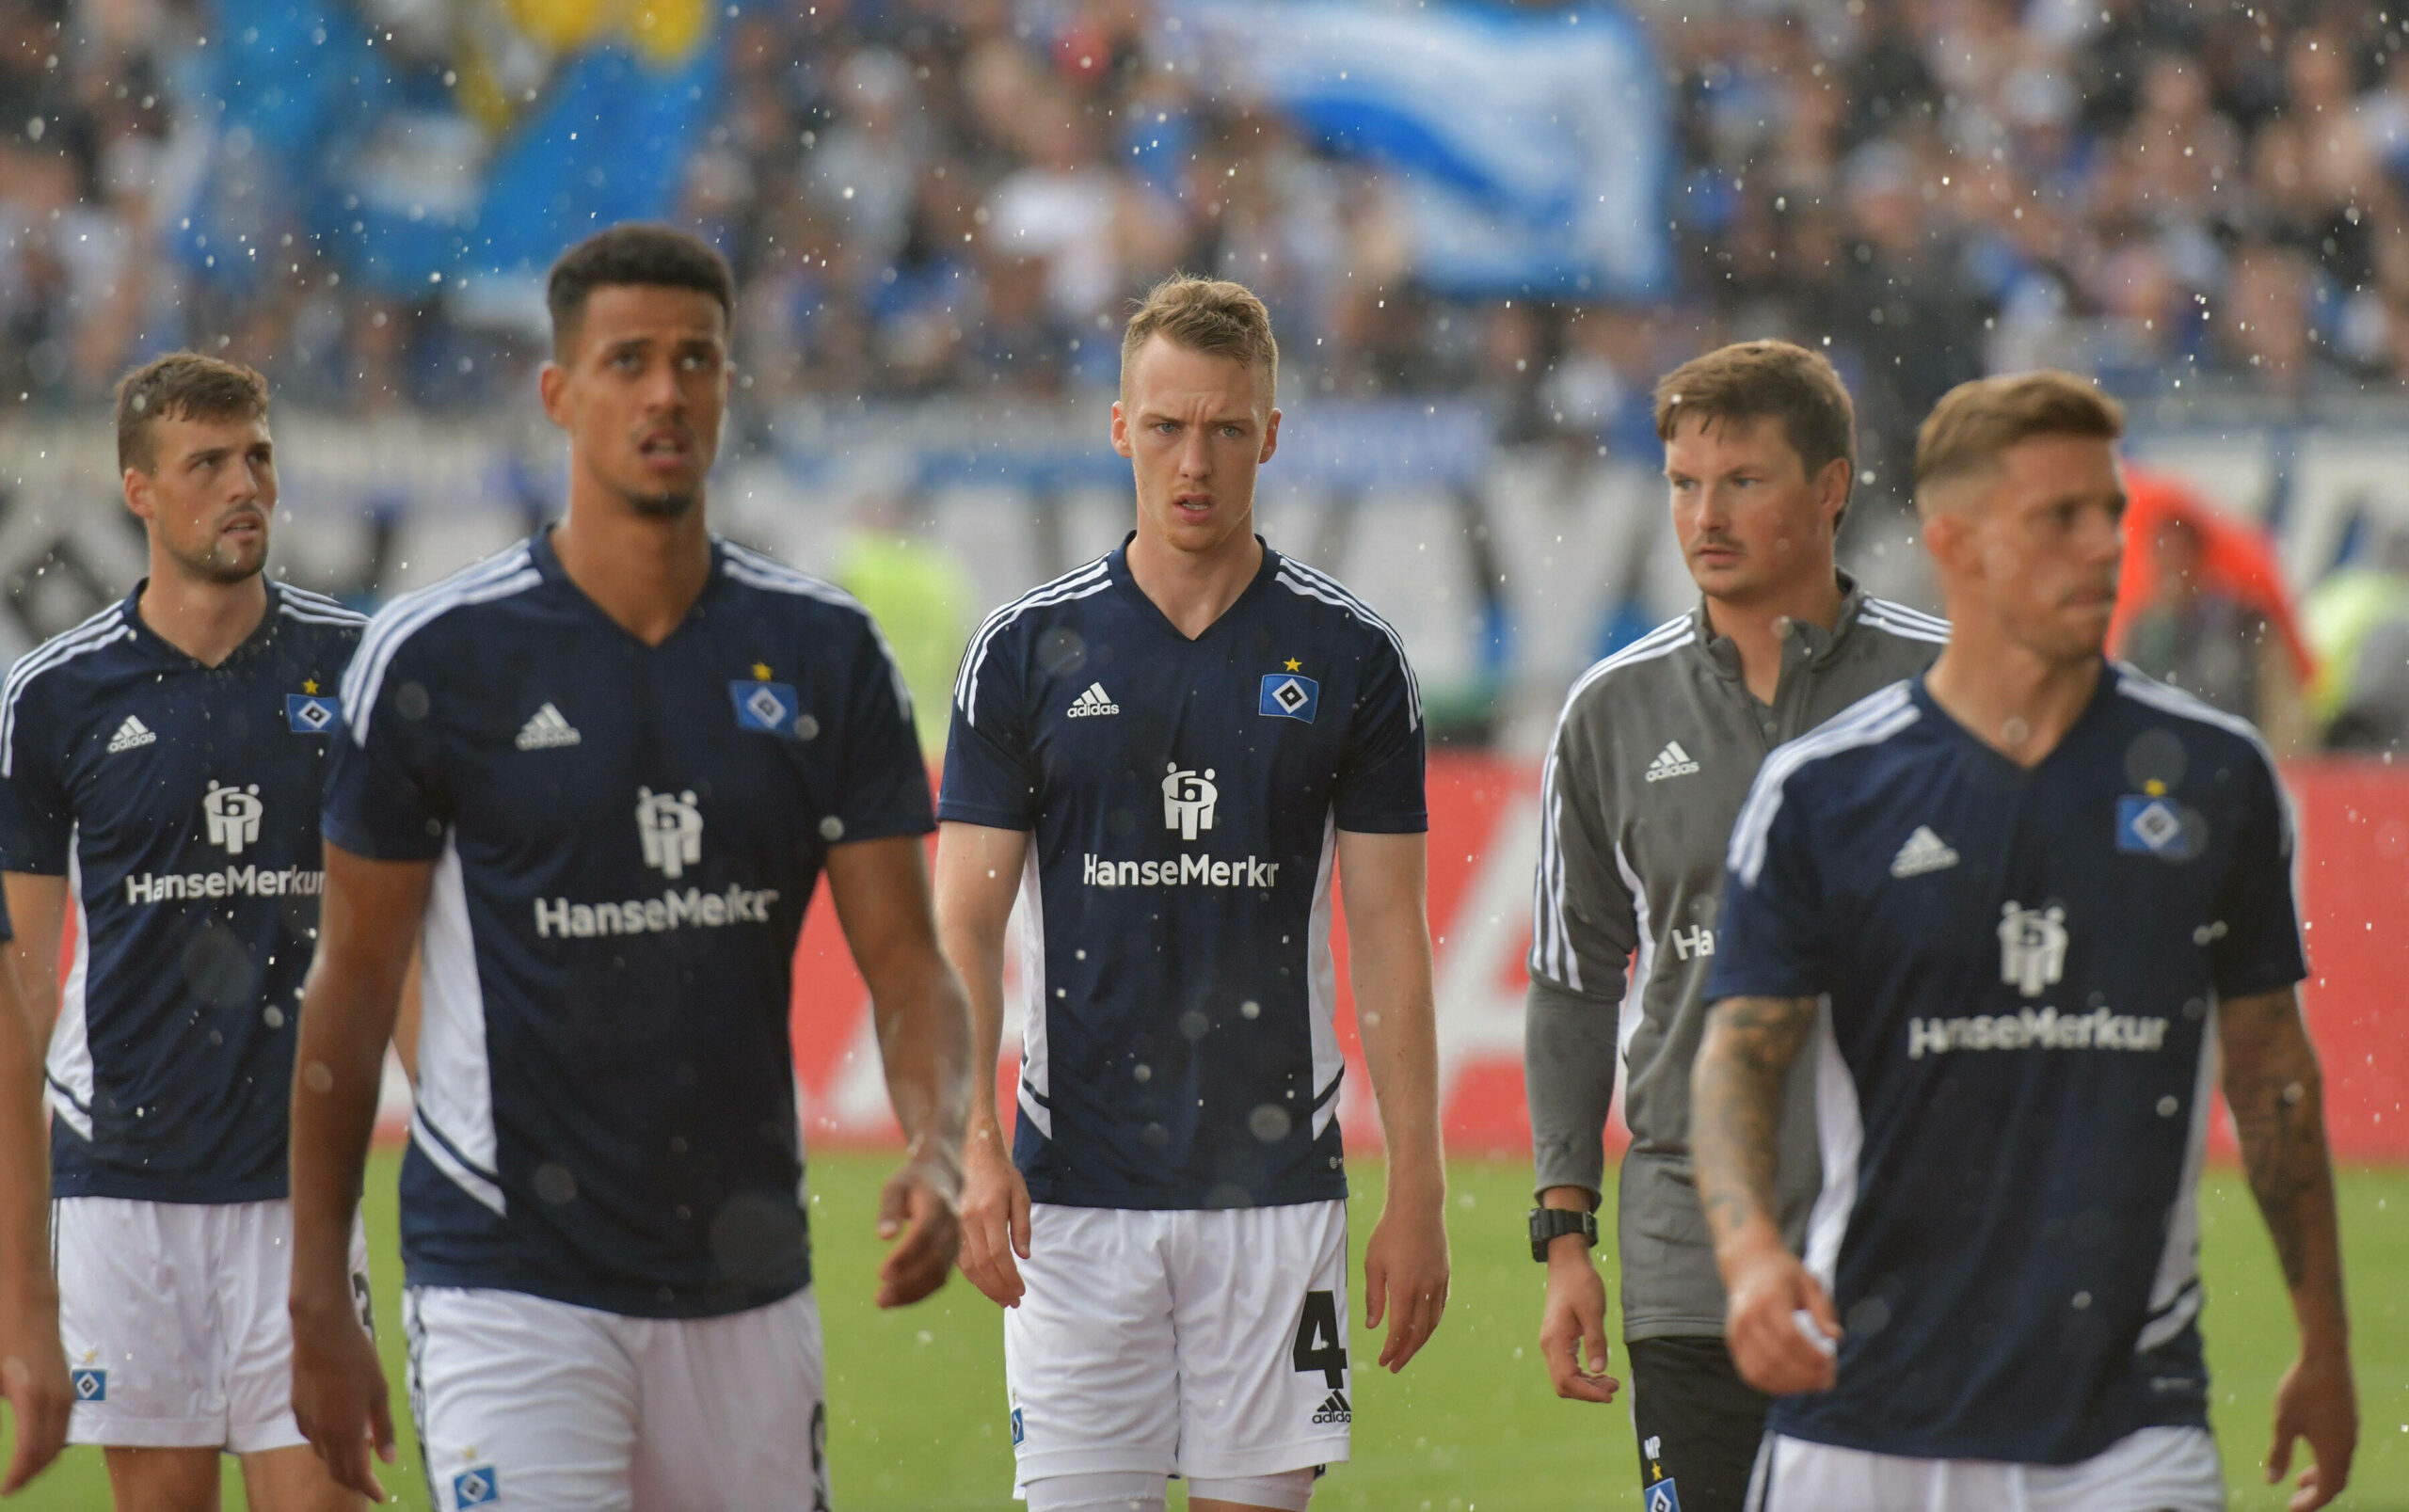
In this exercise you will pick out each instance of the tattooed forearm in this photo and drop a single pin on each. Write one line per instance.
(2273, 1086)
(1735, 1105)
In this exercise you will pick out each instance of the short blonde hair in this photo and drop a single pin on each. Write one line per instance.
(1210, 315)
(1975, 422)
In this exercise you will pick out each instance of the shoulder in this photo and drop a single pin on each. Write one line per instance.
(2232, 735)
(1644, 659)
(45, 661)
(407, 618)
(1013, 619)
(1841, 753)
(325, 619)
(794, 589)
(1890, 621)
(1332, 598)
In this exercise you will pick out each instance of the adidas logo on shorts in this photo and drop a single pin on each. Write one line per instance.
(1672, 761)
(1092, 704)
(1925, 851)
(1334, 1409)
(131, 734)
(547, 730)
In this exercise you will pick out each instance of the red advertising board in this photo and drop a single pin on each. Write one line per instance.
(2355, 889)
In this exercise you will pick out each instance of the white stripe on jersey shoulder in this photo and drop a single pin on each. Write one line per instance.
(1663, 641)
(1873, 719)
(316, 608)
(506, 572)
(1899, 619)
(104, 629)
(755, 570)
(2142, 688)
(1313, 583)
(1080, 582)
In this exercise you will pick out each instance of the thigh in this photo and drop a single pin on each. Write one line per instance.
(1089, 1356)
(253, 1243)
(1260, 1310)
(2156, 1470)
(521, 1402)
(734, 1412)
(295, 1480)
(138, 1321)
(162, 1480)
(1699, 1424)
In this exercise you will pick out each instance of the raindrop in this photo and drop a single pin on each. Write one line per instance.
(806, 727)
(273, 1017)
(832, 829)
(1249, 1009)
(554, 1183)
(1143, 1072)
(1193, 1024)
(1270, 1123)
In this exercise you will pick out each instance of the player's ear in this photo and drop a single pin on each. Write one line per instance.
(552, 382)
(137, 494)
(1119, 428)
(1270, 437)
(1831, 490)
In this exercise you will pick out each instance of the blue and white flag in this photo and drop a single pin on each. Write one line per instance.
(1533, 144)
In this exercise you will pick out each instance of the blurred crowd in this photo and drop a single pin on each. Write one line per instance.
(959, 195)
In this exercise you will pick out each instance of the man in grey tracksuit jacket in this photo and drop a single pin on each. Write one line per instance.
(1653, 757)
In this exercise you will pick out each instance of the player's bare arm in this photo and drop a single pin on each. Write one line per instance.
(978, 876)
(1735, 1118)
(33, 1366)
(37, 911)
(2273, 1085)
(1382, 880)
(368, 924)
(881, 889)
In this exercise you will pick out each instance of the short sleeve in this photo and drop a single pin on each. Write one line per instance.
(2259, 949)
(990, 777)
(1774, 931)
(1379, 789)
(882, 789)
(1583, 920)
(37, 820)
(386, 798)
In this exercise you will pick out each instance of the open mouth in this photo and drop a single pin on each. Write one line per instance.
(1192, 505)
(664, 449)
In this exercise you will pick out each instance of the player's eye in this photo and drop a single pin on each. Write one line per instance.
(1232, 431)
(1165, 428)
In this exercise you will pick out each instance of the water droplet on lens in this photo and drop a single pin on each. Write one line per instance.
(1143, 1073)
(2166, 1106)
(1193, 1024)
(274, 1018)
(1270, 1123)
(806, 727)
(832, 829)
(554, 1183)
(1250, 1009)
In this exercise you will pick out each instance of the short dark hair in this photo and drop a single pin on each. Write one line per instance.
(1749, 379)
(639, 253)
(1975, 422)
(181, 386)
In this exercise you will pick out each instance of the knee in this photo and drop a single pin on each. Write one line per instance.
(1114, 1490)
(1285, 1492)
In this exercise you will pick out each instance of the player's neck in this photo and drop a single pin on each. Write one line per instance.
(1755, 625)
(2007, 696)
(644, 573)
(204, 619)
(1194, 588)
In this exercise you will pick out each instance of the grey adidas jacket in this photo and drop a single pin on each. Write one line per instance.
(1653, 756)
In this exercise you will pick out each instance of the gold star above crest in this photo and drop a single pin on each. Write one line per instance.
(1295, 665)
(2155, 787)
(310, 685)
(760, 672)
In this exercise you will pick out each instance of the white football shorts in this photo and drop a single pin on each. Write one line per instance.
(174, 1322)
(2155, 1470)
(1189, 1342)
(537, 1405)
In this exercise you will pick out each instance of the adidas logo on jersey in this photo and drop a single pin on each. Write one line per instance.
(1672, 761)
(1334, 1409)
(131, 734)
(547, 730)
(1925, 851)
(1093, 703)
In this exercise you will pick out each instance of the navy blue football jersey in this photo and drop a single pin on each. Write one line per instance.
(1183, 799)
(2015, 1062)
(625, 838)
(180, 804)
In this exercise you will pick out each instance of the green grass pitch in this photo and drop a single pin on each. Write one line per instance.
(917, 1398)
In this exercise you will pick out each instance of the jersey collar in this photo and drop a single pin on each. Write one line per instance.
(1117, 568)
(546, 563)
(1819, 642)
(158, 647)
(2103, 694)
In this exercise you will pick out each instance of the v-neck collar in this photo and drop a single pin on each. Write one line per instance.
(158, 645)
(1117, 568)
(548, 564)
(2094, 709)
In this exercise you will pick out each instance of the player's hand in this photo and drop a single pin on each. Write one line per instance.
(995, 1217)
(1774, 1305)
(1574, 1320)
(918, 1204)
(2316, 1401)
(339, 1393)
(33, 1376)
(1405, 1276)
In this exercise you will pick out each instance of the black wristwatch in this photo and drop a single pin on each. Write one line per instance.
(1549, 1224)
